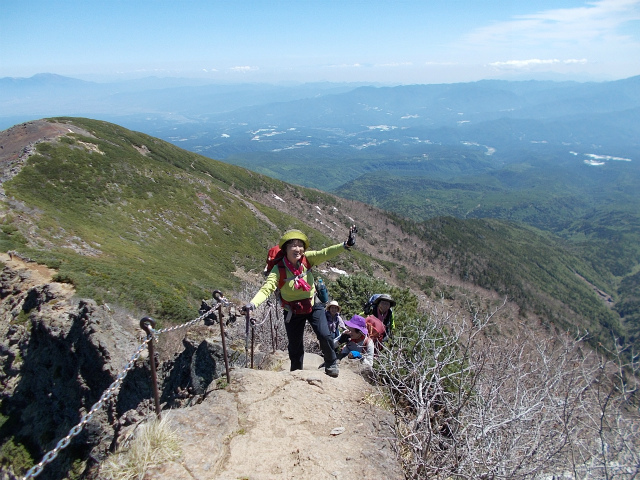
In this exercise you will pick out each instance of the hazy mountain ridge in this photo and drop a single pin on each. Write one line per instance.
(245, 108)
(50, 94)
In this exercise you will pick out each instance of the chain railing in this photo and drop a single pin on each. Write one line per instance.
(108, 393)
(147, 325)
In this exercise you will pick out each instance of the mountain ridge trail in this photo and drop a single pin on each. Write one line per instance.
(265, 424)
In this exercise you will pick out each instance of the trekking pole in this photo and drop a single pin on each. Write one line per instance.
(147, 325)
(219, 297)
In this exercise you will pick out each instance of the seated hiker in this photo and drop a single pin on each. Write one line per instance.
(358, 343)
(334, 320)
(292, 275)
(382, 310)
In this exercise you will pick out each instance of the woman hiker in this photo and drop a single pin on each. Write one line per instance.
(382, 310)
(334, 320)
(293, 276)
(357, 341)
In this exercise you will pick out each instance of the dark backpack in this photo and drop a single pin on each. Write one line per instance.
(368, 307)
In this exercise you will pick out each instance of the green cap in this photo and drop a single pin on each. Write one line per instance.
(294, 235)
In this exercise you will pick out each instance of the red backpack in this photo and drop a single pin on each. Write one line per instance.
(376, 330)
(274, 255)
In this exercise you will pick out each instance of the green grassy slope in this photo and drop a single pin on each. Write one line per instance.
(157, 232)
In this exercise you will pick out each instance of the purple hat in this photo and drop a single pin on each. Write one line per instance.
(358, 323)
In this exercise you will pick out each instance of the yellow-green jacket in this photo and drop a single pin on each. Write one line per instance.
(288, 292)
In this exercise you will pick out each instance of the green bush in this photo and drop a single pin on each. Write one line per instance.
(63, 278)
(353, 291)
(16, 456)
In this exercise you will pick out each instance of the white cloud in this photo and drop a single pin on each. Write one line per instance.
(597, 19)
(581, 61)
(600, 30)
(532, 62)
(244, 69)
(345, 65)
(394, 64)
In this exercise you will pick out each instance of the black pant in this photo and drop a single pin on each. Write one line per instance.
(295, 333)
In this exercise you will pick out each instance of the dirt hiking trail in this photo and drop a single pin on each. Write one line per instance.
(285, 425)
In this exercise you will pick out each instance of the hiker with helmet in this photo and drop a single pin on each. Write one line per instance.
(293, 276)
(334, 320)
(358, 344)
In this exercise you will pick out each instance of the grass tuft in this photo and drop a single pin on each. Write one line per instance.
(154, 443)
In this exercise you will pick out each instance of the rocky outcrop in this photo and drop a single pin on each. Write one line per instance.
(59, 354)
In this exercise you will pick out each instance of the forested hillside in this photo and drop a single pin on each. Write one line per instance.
(592, 211)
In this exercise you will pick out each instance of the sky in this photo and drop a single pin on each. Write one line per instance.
(373, 41)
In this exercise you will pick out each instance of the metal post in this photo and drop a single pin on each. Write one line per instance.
(247, 316)
(274, 338)
(147, 324)
(217, 294)
(253, 334)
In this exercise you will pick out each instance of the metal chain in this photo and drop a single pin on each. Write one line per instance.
(268, 311)
(264, 319)
(184, 325)
(63, 443)
(190, 323)
(223, 301)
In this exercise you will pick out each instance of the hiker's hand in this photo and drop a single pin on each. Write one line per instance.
(248, 307)
(344, 337)
(351, 241)
(354, 354)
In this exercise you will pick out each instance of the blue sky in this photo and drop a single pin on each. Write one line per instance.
(393, 41)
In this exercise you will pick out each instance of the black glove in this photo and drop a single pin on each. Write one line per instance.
(351, 241)
(344, 338)
(247, 308)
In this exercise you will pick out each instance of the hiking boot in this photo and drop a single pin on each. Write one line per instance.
(332, 370)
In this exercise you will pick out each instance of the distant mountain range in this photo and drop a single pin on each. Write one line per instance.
(220, 120)
(50, 95)
(324, 135)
